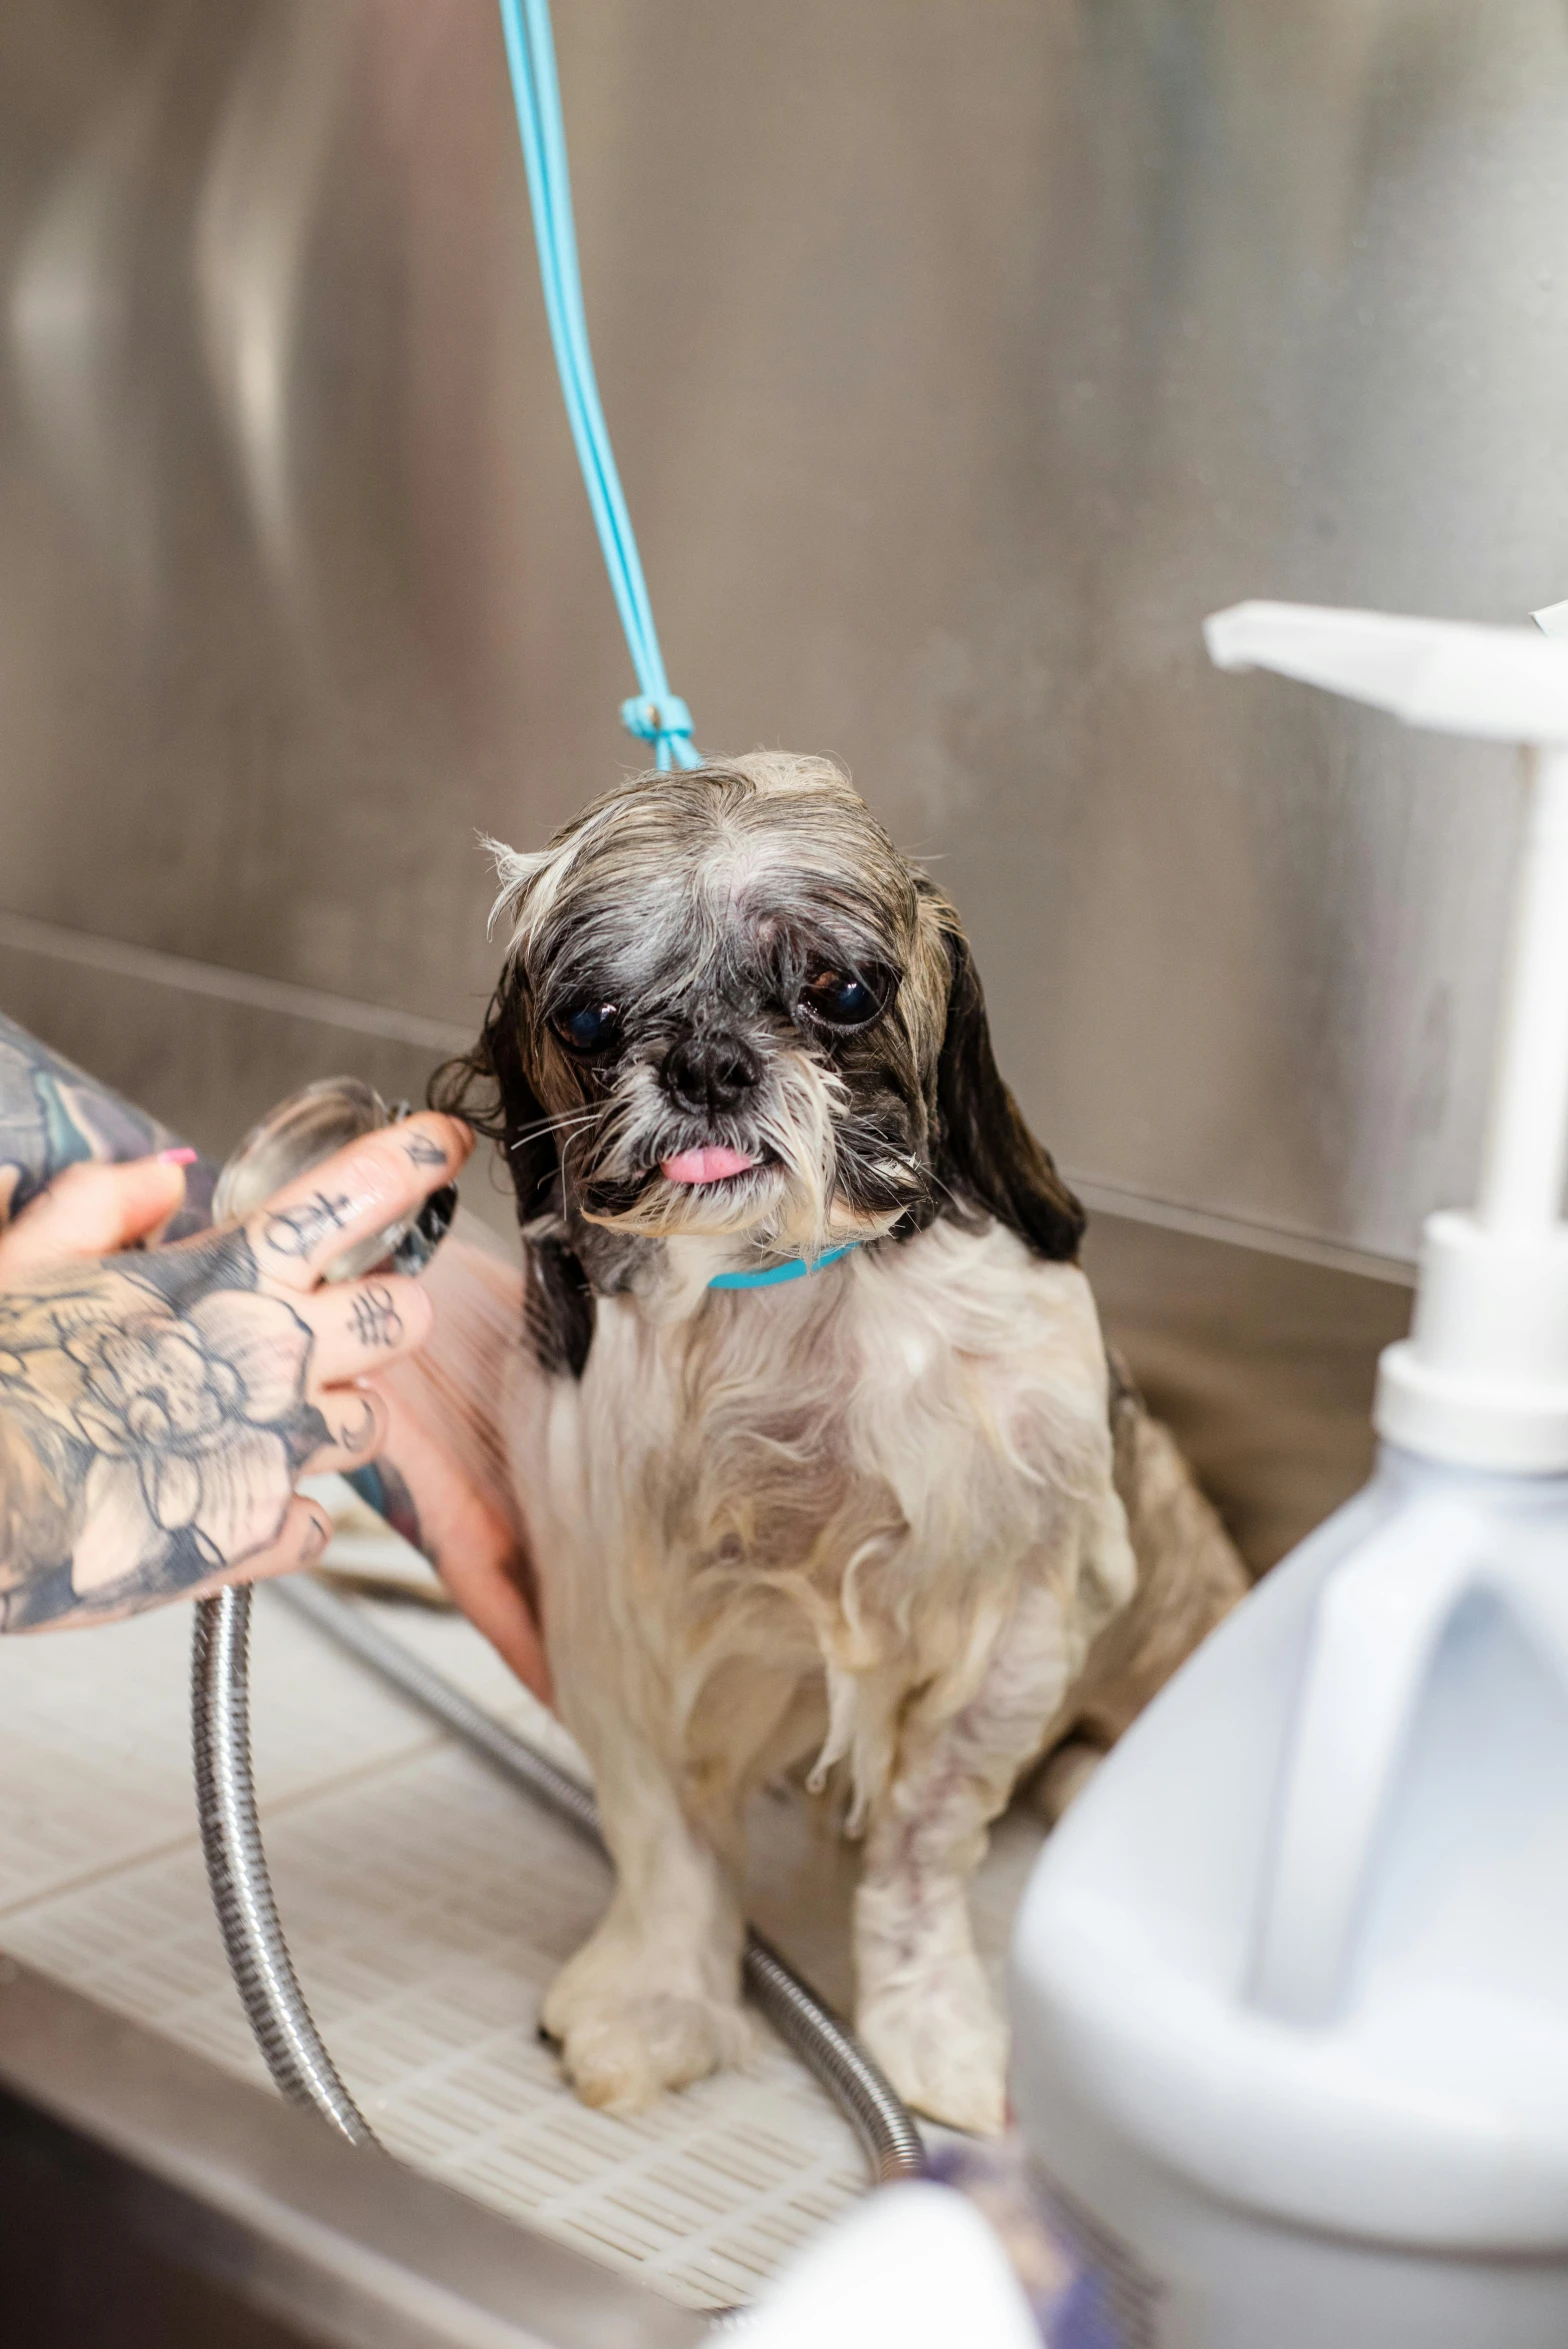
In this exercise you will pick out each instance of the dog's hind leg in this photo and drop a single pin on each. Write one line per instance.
(1190, 1575)
(924, 2007)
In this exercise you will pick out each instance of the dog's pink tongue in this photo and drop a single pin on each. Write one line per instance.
(705, 1166)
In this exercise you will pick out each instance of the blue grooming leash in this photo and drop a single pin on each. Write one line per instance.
(796, 1270)
(654, 714)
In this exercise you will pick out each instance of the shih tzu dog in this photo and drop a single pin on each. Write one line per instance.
(813, 1434)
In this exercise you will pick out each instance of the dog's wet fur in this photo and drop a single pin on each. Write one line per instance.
(901, 1515)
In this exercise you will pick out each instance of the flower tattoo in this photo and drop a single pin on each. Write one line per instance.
(179, 1427)
(159, 1403)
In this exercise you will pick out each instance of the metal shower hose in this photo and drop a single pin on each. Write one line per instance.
(253, 1935)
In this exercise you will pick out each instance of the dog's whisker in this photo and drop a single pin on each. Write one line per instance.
(551, 1125)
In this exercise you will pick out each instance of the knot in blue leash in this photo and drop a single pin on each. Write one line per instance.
(799, 1268)
(663, 722)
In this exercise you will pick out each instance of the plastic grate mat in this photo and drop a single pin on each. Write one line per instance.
(427, 1905)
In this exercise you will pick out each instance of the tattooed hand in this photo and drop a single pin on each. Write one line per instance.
(156, 1409)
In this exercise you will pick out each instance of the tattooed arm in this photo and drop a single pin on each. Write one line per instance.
(155, 1410)
(54, 1119)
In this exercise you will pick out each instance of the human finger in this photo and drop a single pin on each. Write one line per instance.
(303, 1535)
(91, 1210)
(304, 1228)
(356, 1428)
(362, 1326)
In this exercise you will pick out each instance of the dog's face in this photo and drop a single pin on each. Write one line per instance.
(731, 1000)
(730, 1007)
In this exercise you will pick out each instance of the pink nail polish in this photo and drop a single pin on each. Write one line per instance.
(179, 1157)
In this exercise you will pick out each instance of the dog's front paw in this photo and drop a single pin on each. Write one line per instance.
(622, 2057)
(943, 2045)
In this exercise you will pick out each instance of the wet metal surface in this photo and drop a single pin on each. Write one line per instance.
(959, 359)
(1262, 1365)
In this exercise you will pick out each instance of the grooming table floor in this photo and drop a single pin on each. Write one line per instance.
(427, 1905)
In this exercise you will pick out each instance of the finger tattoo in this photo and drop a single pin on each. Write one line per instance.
(377, 1321)
(358, 1438)
(298, 1231)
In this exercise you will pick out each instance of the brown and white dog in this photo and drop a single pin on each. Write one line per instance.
(893, 1512)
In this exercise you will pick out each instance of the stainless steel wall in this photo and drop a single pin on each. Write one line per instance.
(960, 353)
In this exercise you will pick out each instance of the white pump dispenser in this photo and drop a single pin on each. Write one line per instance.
(1291, 1981)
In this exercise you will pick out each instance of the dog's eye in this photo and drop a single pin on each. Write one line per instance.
(842, 999)
(588, 1027)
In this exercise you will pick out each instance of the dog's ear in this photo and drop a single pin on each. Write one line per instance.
(983, 1152)
(559, 1310)
(490, 1087)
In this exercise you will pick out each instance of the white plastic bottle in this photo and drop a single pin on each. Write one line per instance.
(1290, 1990)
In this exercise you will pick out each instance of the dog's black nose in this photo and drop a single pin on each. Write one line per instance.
(710, 1073)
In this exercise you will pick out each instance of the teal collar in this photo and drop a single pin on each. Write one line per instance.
(795, 1270)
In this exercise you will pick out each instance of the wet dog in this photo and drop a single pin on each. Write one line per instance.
(814, 1435)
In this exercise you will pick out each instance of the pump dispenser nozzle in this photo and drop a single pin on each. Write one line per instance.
(1482, 1382)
